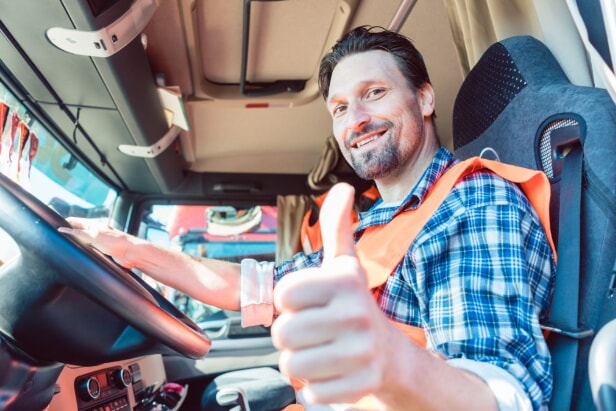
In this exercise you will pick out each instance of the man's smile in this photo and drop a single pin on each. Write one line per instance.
(366, 138)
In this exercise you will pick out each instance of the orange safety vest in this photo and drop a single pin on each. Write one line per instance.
(310, 229)
(381, 248)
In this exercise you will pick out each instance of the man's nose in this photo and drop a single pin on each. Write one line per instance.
(357, 117)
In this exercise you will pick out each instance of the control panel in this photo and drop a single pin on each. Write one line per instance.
(135, 384)
(104, 390)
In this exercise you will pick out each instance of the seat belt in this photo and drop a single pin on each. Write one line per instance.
(563, 320)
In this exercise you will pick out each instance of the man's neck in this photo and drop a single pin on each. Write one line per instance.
(395, 187)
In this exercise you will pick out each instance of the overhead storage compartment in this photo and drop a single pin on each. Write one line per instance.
(241, 49)
(97, 102)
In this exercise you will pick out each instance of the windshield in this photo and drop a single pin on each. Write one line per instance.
(220, 232)
(34, 158)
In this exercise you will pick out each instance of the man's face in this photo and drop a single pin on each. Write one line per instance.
(378, 120)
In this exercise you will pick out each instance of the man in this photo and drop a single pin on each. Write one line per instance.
(476, 278)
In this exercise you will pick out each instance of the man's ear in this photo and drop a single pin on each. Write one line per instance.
(425, 97)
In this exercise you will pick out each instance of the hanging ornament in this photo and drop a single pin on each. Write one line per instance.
(24, 133)
(34, 144)
(14, 123)
(4, 115)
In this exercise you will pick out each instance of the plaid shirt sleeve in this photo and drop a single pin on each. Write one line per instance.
(298, 262)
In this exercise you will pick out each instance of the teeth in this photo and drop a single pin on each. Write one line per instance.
(364, 142)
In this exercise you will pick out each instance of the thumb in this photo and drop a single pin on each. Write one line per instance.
(335, 221)
(299, 290)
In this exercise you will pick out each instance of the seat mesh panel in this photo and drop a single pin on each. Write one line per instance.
(546, 145)
(475, 111)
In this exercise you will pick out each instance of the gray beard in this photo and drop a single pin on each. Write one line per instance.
(372, 165)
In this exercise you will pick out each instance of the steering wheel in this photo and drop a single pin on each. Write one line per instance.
(65, 301)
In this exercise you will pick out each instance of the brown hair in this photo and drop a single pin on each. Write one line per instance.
(367, 38)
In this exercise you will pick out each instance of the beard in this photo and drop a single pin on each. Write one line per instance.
(375, 165)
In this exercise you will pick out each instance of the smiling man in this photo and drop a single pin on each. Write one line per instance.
(455, 324)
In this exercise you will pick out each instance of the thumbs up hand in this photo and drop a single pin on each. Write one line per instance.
(330, 331)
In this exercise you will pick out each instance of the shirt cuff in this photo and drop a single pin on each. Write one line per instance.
(256, 292)
(509, 393)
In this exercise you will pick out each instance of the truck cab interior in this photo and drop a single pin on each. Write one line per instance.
(198, 125)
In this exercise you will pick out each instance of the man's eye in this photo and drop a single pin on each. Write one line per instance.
(338, 110)
(375, 93)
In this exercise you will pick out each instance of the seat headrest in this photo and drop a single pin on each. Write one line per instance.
(504, 71)
(514, 98)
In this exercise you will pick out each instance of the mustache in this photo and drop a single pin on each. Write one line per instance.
(369, 128)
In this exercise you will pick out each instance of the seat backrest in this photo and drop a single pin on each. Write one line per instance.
(517, 105)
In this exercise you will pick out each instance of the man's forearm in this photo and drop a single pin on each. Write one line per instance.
(213, 282)
(420, 380)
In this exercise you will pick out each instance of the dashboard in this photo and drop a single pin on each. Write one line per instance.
(137, 384)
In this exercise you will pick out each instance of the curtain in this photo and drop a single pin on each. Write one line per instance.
(603, 74)
(477, 24)
(291, 210)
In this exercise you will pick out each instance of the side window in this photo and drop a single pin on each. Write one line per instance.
(220, 232)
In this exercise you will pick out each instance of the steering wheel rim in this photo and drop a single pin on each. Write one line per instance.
(34, 228)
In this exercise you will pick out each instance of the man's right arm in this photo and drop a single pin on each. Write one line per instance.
(213, 282)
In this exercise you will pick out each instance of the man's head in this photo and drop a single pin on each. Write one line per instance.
(378, 93)
(366, 38)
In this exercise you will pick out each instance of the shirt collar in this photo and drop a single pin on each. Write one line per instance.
(443, 159)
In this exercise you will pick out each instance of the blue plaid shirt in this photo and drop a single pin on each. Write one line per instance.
(477, 278)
